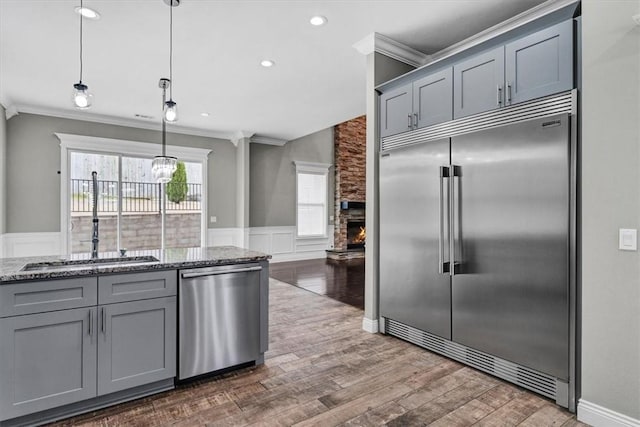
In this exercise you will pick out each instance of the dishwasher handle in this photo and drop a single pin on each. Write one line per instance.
(218, 272)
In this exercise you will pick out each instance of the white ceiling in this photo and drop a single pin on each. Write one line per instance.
(318, 79)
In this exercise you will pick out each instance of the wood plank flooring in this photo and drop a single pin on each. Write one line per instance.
(340, 280)
(322, 369)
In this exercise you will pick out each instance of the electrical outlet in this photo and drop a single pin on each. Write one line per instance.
(213, 219)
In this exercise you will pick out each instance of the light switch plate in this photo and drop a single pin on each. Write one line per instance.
(213, 219)
(628, 239)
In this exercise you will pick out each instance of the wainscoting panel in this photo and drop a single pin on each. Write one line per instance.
(282, 244)
(30, 244)
(225, 237)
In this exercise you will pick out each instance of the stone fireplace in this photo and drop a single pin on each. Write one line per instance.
(350, 141)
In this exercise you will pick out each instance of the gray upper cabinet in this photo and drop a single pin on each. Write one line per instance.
(46, 360)
(432, 101)
(478, 83)
(422, 103)
(540, 64)
(137, 343)
(396, 111)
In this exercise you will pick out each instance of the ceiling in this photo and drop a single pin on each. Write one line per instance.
(318, 79)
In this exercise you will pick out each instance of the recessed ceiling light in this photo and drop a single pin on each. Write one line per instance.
(318, 20)
(267, 63)
(204, 114)
(87, 13)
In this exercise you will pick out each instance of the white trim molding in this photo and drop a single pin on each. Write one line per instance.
(376, 42)
(257, 139)
(71, 142)
(226, 237)
(370, 325)
(282, 245)
(119, 121)
(31, 244)
(599, 416)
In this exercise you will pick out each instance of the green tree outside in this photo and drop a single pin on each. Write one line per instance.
(177, 188)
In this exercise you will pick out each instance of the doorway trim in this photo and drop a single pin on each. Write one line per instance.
(71, 142)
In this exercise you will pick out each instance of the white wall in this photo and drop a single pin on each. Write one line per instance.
(610, 200)
(3, 167)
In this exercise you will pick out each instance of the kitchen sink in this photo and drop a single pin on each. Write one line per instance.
(91, 263)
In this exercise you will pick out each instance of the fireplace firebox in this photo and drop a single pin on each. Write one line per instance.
(356, 234)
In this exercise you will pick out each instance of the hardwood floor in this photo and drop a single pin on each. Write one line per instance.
(340, 280)
(322, 369)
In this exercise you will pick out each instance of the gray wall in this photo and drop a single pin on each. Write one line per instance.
(33, 161)
(610, 200)
(3, 165)
(273, 177)
(380, 68)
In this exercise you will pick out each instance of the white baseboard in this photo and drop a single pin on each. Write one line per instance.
(370, 325)
(31, 244)
(299, 256)
(599, 416)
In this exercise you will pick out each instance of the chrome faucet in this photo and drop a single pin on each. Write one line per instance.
(95, 240)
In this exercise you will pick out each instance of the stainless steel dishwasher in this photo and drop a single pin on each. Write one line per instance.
(219, 318)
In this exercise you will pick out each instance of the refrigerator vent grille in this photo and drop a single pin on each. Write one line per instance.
(524, 377)
(543, 107)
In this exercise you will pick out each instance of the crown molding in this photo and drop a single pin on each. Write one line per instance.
(257, 139)
(117, 121)
(376, 42)
(523, 18)
(239, 135)
(10, 111)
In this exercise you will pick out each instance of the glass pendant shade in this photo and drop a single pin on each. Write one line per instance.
(81, 97)
(170, 111)
(163, 167)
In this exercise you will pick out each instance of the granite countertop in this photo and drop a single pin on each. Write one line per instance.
(75, 266)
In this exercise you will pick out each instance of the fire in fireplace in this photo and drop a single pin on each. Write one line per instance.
(356, 234)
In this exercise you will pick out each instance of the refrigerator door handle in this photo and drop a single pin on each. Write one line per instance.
(443, 267)
(455, 171)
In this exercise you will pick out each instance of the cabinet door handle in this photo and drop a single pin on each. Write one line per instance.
(103, 316)
(415, 120)
(409, 121)
(499, 95)
(509, 93)
(90, 323)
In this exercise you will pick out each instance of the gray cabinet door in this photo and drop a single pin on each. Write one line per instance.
(540, 64)
(46, 360)
(396, 111)
(136, 343)
(412, 289)
(478, 83)
(432, 98)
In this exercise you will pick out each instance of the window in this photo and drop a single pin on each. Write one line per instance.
(128, 199)
(311, 199)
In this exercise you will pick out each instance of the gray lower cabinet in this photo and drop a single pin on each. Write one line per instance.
(136, 344)
(478, 83)
(540, 64)
(47, 360)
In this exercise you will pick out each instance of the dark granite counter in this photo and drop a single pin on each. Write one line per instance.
(55, 267)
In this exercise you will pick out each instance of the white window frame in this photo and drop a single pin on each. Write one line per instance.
(109, 146)
(315, 169)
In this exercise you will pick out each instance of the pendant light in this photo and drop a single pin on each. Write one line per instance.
(81, 96)
(163, 167)
(170, 108)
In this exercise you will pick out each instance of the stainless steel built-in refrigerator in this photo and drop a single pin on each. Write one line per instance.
(477, 232)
